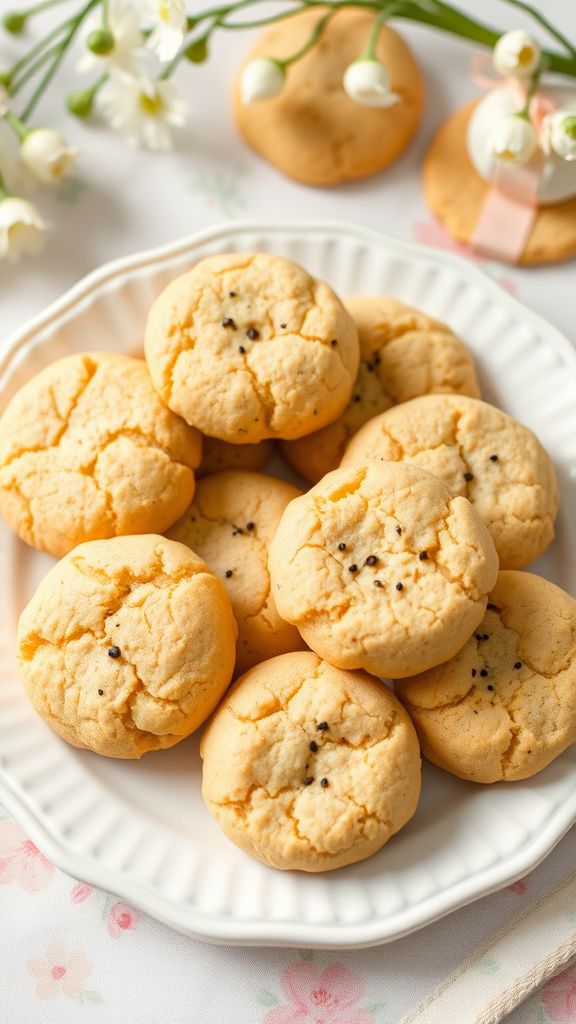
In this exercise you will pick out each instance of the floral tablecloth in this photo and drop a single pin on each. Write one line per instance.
(71, 953)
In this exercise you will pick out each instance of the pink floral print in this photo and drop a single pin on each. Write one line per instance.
(559, 997)
(330, 996)
(121, 918)
(519, 887)
(21, 861)
(60, 972)
(80, 892)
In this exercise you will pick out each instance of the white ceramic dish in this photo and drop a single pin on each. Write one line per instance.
(140, 829)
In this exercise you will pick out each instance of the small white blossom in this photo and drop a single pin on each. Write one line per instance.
(46, 154)
(167, 19)
(516, 54)
(142, 110)
(366, 81)
(559, 134)
(262, 79)
(22, 229)
(513, 140)
(128, 38)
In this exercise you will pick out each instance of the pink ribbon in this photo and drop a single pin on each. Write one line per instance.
(506, 217)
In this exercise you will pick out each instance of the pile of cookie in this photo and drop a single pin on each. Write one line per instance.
(179, 570)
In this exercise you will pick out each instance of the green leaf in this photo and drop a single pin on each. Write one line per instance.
(542, 1018)
(266, 998)
(376, 1008)
(90, 996)
(306, 954)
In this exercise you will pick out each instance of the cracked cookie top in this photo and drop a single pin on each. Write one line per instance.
(381, 569)
(248, 346)
(309, 767)
(127, 645)
(88, 451)
(503, 708)
(403, 354)
(479, 452)
(230, 524)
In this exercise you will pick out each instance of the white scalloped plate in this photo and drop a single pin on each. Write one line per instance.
(140, 829)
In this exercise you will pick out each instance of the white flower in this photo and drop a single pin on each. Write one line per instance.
(513, 140)
(262, 79)
(142, 110)
(128, 38)
(559, 134)
(167, 19)
(516, 54)
(366, 82)
(46, 154)
(22, 229)
(4, 101)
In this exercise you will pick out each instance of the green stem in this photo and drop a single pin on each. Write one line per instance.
(532, 87)
(17, 126)
(37, 48)
(554, 32)
(4, 193)
(61, 52)
(30, 71)
(370, 51)
(310, 43)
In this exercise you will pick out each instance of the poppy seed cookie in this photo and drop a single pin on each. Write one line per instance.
(307, 767)
(504, 707)
(382, 569)
(230, 524)
(127, 645)
(248, 346)
(479, 452)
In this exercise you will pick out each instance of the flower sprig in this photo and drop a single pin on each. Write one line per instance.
(131, 50)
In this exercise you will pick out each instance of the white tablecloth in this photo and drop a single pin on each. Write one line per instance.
(68, 953)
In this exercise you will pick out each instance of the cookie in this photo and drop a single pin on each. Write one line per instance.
(88, 451)
(455, 193)
(403, 353)
(230, 525)
(479, 452)
(219, 455)
(127, 645)
(248, 346)
(313, 132)
(382, 569)
(504, 707)
(307, 767)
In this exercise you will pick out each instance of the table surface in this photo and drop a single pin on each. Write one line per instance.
(124, 967)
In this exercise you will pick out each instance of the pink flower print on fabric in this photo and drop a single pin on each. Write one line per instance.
(60, 972)
(121, 918)
(559, 997)
(330, 996)
(21, 861)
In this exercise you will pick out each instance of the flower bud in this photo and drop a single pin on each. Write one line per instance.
(513, 140)
(47, 155)
(559, 134)
(80, 103)
(262, 79)
(100, 42)
(197, 52)
(366, 81)
(14, 22)
(516, 54)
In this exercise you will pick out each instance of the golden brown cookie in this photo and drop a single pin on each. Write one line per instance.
(248, 346)
(382, 569)
(479, 452)
(307, 767)
(127, 645)
(504, 707)
(219, 455)
(88, 450)
(313, 132)
(403, 354)
(230, 524)
(455, 193)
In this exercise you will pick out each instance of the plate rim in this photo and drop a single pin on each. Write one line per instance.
(245, 932)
